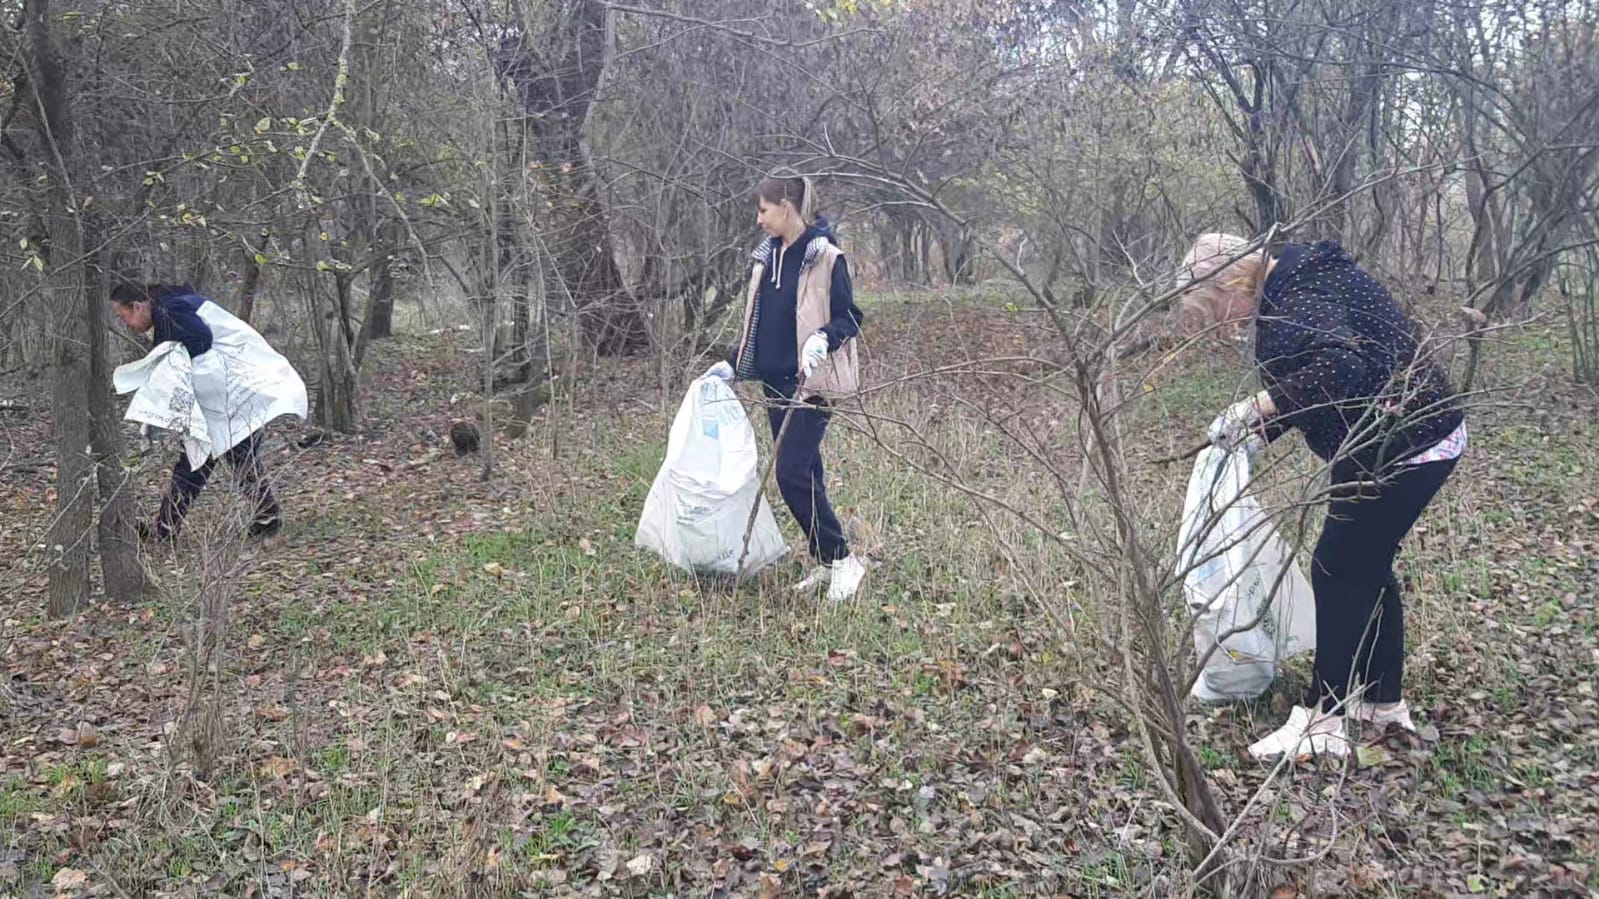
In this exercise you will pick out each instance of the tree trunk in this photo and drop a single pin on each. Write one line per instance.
(956, 245)
(69, 537)
(583, 257)
(70, 534)
(123, 575)
(379, 323)
(556, 87)
(252, 282)
(337, 404)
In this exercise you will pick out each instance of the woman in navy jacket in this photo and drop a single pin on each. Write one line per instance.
(173, 313)
(1340, 363)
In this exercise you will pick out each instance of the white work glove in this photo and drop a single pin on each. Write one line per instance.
(813, 354)
(1236, 424)
(720, 370)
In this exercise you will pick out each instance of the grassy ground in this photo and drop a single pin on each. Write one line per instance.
(435, 685)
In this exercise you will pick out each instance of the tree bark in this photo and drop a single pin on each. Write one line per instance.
(337, 405)
(122, 573)
(379, 321)
(247, 290)
(70, 534)
(556, 87)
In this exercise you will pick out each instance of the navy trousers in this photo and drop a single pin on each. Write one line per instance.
(187, 482)
(800, 477)
(1360, 619)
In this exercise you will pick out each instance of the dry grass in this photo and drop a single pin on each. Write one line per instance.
(438, 687)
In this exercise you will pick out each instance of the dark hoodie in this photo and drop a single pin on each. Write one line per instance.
(776, 346)
(174, 311)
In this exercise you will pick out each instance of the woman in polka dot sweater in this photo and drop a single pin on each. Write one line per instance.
(1341, 364)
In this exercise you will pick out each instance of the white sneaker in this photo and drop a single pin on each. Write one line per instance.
(1306, 734)
(812, 580)
(847, 574)
(1381, 714)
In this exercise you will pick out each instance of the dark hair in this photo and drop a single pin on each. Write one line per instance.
(127, 292)
(795, 188)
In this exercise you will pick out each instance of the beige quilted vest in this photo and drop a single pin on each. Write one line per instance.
(839, 373)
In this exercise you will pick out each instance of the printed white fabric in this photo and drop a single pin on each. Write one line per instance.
(219, 399)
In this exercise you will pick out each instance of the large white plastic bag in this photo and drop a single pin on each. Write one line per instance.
(236, 387)
(1240, 557)
(699, 505)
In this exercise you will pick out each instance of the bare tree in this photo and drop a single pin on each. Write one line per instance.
(87, 442)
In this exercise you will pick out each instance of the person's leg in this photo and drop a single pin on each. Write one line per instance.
(800, 481)
(1384, 667)
(1346, 596)
(1359, 617)
(265, 517)
(186, 485)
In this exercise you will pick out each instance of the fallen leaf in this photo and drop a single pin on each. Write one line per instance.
(494, 569)
(88, 738)
(256, 641)
(584, 545)
(704, 717)
(1370, 756)
(69, 879)
(640, 865)
(276, 767)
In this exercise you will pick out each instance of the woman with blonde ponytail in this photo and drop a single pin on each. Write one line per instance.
(799, 340)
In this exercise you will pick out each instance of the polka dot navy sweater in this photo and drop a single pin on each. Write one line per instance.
(1340, 361)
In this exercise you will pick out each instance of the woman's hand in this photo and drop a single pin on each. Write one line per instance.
(1240, 421)
(813, 354)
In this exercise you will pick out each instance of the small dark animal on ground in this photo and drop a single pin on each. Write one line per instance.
(464, 436)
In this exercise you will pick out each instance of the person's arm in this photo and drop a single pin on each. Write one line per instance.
(846, 316)
(178, 318)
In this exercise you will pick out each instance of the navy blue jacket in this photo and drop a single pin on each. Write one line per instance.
(1338, 356)
(774, 355)
(175, 312)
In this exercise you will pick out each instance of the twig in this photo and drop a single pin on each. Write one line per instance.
(340, 80)
(1185, 455)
